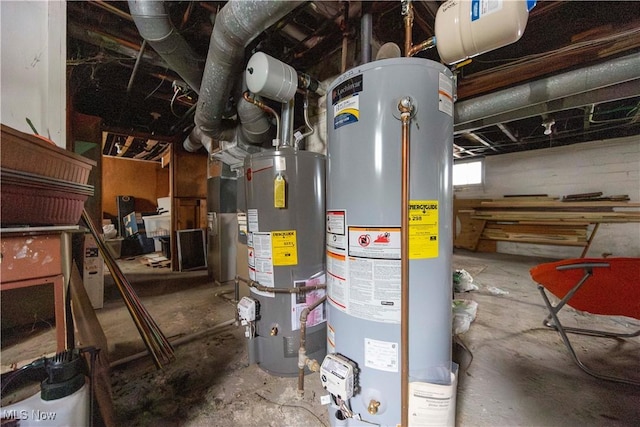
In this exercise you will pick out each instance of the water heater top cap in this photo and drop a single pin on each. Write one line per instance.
(271, 78)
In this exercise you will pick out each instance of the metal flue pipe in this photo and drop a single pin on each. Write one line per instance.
(237, 24)
(365, 38)
(156, 28)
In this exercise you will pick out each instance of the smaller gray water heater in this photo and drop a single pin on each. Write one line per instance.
(285, 192)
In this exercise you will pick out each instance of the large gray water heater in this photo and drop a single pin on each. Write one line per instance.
(285, 217)
(363, 232)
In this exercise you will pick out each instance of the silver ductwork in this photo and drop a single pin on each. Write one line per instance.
(575, 88)
(237, 24)
(156, 28)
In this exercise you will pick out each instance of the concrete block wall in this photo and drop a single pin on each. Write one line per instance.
(610, 166)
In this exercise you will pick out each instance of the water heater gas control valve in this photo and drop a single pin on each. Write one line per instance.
(248, 309)
(337, 375)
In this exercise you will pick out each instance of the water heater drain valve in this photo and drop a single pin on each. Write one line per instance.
(337, 375)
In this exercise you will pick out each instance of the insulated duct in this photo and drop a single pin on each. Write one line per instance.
(237, 24)
(156, 28)
(538, 96)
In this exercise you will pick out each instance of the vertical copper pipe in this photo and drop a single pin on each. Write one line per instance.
(408, 29)
(405, 106)
(409, 48)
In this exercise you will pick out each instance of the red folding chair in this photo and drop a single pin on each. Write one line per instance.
(604, 286)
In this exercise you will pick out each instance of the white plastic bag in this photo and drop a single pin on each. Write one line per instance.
(464, 312)
(463, 282)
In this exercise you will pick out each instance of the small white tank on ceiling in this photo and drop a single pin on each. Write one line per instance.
(466, 28)
(271, 78)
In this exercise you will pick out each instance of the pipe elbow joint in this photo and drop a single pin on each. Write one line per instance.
(192, 143)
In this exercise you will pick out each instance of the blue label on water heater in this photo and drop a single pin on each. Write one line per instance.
(346, 102)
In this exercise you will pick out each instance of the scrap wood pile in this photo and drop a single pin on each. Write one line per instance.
(579, 208)
(155, 261)
(541, 219)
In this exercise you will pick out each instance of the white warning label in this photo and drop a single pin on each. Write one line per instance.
(445, 95)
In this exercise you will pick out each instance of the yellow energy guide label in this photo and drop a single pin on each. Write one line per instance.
(284, 247)
(423, 229)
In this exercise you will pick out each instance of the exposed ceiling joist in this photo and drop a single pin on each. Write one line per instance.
(576, 60)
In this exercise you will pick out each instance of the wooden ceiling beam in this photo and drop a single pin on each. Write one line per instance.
(621, 40)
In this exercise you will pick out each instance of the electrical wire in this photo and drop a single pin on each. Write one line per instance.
(311, 130)
(346, 412)
(157, 87)
(173, 98)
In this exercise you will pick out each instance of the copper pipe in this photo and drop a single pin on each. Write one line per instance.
(408, 28)
(409, 48)
(427, 44)
(343, 59)
(109, 8)
(406, 108)
(186, 15)
(294, 290)
(208, 7)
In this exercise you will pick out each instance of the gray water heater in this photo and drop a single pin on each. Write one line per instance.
(363, 234)
(285, 191)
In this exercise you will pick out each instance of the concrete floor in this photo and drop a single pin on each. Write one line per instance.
(515, 372)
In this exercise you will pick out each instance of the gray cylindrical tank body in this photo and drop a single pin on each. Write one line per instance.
(364, 137)
(286, 249)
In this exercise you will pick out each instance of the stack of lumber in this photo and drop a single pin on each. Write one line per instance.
(567, 235)
(557, 212)
(539, 219)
